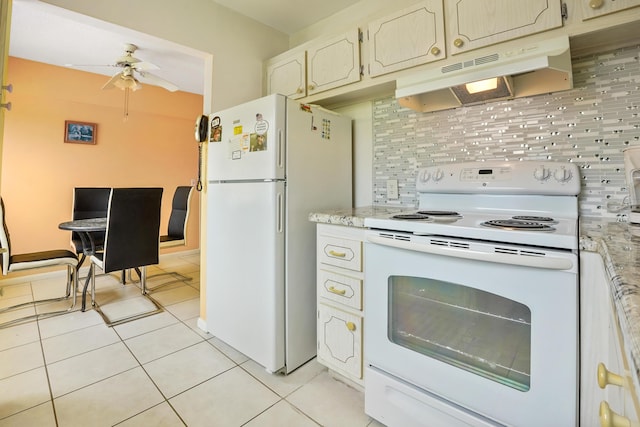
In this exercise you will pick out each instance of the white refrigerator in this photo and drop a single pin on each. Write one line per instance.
(270, 163)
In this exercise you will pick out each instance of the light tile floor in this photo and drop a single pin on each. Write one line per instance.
(73, 370)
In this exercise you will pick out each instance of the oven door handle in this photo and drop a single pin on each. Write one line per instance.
(548, 262)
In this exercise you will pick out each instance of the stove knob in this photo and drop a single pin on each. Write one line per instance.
(438, 175)
(541, 173)
(563, 175)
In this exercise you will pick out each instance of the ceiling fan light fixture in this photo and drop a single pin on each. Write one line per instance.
(126, 82)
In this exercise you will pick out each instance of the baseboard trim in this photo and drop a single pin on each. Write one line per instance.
(202, 324)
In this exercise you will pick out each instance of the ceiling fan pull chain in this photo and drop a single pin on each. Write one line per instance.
(126, 104)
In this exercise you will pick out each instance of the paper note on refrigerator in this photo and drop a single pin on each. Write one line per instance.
(238, 146)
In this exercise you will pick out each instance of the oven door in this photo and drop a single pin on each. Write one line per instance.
(489, 329)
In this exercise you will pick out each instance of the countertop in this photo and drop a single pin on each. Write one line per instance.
(619, 249)
(352, 217)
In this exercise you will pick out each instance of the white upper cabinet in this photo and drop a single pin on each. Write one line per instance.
(333, 62)
(287, 75)
(472, 24)
(324, 64)
(407, 38)
(595, 8)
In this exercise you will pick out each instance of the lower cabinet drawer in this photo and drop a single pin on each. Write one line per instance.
(345, 253)
(340, 288)
(340, 340)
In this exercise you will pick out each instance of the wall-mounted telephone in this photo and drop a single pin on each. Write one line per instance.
(202, 127)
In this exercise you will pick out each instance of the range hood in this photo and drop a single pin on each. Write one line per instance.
(524, 70)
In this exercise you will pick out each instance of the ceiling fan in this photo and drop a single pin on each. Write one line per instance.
(134, 69)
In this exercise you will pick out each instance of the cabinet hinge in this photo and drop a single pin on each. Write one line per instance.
(360, 36)
(362, 70)
(563, 11)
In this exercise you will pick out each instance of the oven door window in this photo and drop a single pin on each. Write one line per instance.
(474, 330)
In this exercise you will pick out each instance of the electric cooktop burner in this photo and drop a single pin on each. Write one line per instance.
(534, 218)
(439, 213)
(410, 216)
(517, 224)
(430, 215)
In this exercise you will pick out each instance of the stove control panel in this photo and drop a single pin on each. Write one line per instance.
(523, 177)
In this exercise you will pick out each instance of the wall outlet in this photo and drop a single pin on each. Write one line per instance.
(392, 189)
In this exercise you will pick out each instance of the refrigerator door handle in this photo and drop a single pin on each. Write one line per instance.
(280, 214)
(280, 150)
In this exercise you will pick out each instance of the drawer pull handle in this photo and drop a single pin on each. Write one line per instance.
(337, 291)
(351, 326)
(608, 418)
(337, 254)
(606, 377)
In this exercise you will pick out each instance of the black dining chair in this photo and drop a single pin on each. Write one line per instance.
(27, 261)
(89, 202)
(133, 233)
(176, 230)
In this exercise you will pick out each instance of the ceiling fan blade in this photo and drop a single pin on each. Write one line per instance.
(144, 66)
(89, 65)
(127, 59)
(155, 80)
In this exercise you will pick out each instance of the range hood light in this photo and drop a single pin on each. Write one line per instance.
(482, 85)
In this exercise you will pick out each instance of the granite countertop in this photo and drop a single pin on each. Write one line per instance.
(620, 251)
(353, 217)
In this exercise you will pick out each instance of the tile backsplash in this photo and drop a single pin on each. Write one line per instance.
(589, 125)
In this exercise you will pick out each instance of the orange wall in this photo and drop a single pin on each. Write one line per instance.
(155, 147)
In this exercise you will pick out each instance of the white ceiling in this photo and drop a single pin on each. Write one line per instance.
(287, 16)
(45, 33)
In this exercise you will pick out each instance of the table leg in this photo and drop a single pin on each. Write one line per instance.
(84, 289)
(88, 249)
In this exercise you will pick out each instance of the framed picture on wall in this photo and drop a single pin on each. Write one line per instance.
(80, 132)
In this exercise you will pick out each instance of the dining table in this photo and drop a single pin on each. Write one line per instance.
(85, 229)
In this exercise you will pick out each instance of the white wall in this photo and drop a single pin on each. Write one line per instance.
(238, 44)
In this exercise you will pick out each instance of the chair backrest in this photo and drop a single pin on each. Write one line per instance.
(5, 241)
(133, 228)
(180, 213)
(89, 202)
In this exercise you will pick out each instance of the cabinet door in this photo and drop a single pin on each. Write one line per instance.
(340, 340)
(477, 23)
(287, 76)
(595, 8)
(598, 340)
(410, 37)
(333, 62)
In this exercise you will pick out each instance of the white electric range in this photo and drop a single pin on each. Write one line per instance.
(472, 299)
